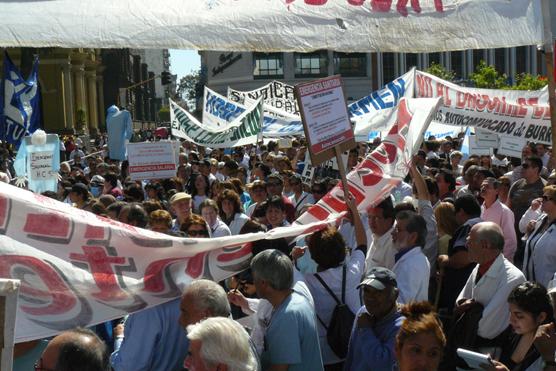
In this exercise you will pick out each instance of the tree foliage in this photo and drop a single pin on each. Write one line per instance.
(187, 88)
(164, 114)
(440, 71)
(487, 77)
(526, 81)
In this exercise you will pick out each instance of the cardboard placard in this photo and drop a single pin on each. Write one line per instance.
(511, 146)
(486, 139)
(325, 118)
(151, 160)
(477, 149)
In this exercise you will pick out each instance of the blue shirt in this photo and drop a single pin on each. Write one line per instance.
(291, 337)
(154, 340)
(373, 348)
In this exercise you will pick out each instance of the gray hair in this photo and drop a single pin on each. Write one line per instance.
(223, 341)
(275, 268)
(209, 296)
(491, 233)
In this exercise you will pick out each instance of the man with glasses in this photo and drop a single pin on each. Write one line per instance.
(522, 193)
(318, 190)
(381, 222)
(274, 187)
(76, 349)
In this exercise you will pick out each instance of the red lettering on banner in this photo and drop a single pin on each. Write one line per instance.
(60, 297)
(94, 232)
(195, 265)
(100, 266)
(424, 86)
(356, 2)
(461, 98)
(318, 212)
(381, 6)
(48, 225)
(227, 257)
(153, 280)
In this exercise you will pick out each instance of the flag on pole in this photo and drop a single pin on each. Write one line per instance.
(19, 102)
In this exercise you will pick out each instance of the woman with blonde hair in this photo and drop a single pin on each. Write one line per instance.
(420, 342)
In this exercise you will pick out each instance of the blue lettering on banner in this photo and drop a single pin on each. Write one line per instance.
(386, 97)
(218, 107)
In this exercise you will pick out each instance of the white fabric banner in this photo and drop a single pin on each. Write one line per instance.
(371, 112)
(243, 130)
(373, 178)
(273, 25)
(276, 94)
(79, 269)
(219, 112)
(508, 113)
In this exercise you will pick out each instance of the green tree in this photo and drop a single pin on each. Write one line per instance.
(440, 71)
(187, 88)
(487, 77)
(526, 81)
(164, 114)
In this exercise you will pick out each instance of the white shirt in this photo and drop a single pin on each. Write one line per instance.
(239, 220)
(220, 229)
(304, 198)
(492, 292)
(412, 274)
(381, 252)
(325, 304)
(431, 246)
(539, 262)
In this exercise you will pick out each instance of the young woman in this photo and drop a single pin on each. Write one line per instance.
(420, 341)
(230, 211)
(529, 308)
(199, 191)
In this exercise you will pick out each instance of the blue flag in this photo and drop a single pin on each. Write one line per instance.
(20, 109)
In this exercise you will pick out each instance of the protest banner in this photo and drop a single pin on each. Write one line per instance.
(325, 118)
(219, 112)
(275, 94)
(368, 113)
(151, 160)
(374, 178)
(80, 269)
(293, 25)
(243, 130)
(9, 290)
(512, 147)
(507, 113)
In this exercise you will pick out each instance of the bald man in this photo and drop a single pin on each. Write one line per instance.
(76, 349)
(491, 281)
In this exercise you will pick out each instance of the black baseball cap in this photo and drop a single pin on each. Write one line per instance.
(379, 278)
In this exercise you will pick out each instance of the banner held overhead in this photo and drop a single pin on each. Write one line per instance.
(278, 25)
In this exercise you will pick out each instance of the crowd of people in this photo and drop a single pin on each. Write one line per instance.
(462, 254)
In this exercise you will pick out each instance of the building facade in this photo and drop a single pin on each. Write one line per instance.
(361, 72)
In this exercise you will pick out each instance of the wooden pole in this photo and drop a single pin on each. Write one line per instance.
(549, 57)
(342, 169)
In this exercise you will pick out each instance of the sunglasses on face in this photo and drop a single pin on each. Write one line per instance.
(195, 232)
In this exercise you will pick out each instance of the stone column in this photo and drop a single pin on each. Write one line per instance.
(92, 102)
(79, 89)
(100, 92)
(69, 122)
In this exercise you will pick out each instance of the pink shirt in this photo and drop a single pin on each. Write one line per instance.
(502, 215)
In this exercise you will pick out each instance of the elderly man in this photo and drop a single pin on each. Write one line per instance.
(381, 222)
(219, 344)
(291, 338)
(180, 204)
(491, 281)
(412, 267)
(76, 349)
(373, 339)
(153, 340)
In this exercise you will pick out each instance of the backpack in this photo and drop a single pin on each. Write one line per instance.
(338, 330)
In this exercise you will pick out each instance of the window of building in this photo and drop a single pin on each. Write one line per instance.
(500, 60)
(350, 64)
(311, 64)
(457, 59)
(478, 56)
(268, 65)
(411, 60)
(521, 59)
(388, 67)
(434, 58)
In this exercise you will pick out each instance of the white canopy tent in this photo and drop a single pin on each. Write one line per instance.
(272, 25)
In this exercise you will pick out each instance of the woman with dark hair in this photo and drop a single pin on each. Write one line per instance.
(338, 274)
(230, 211)
(199, 190)
(195, 227)
(209, 211)
(420, 341)
(530, 307)
(244, 197)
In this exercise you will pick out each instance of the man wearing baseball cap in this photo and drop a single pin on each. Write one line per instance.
(372, 342)
(180, 204)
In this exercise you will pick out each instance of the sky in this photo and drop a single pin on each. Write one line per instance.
(182, 62)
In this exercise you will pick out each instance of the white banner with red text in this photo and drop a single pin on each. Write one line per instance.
(516, 114)
(273, 25)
